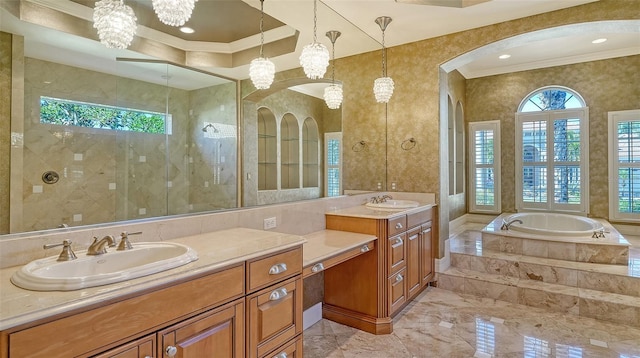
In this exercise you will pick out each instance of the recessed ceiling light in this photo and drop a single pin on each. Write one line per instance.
(504, 57)
(187, 30)
(598, 41)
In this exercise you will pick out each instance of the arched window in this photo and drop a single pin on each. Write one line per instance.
(552, 149)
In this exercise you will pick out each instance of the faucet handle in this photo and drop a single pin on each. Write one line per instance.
(67, 253)
(125, 244)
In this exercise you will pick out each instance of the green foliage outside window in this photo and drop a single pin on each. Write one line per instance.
(73, 113)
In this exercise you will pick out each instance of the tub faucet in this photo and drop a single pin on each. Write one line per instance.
(98, 247)
(506, 225)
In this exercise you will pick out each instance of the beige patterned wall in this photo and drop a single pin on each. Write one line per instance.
(5, 128)
(414, 110)
(609, 85)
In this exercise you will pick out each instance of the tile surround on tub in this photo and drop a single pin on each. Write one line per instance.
(296, 218)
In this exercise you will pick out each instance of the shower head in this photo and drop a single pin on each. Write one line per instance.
(209, 125)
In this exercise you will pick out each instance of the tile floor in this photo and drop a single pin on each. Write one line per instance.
(441, 323)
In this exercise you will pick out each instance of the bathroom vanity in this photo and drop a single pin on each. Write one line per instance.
(367, 291)
(241, 298)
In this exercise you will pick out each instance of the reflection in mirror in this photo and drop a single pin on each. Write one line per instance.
(161, 141)
(283, 142)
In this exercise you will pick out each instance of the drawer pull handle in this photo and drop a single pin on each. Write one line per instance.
(399, 278)
(281, 355)
(278, 294)
(398, 242)
(364, 248)
(171, 351)
(426, 230)
(413, 237)
(317, 267)
(398, 226)
(278, 269)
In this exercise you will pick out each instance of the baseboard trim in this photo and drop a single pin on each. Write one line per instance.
(312, 315)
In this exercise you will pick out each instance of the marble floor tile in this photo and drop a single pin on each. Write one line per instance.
(441, 323)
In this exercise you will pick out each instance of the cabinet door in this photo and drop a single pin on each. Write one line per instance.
(413, 262)
(426, 255)
(397, 253)
(218, 333)
(140, 348)
(274, 316)
(397, 291)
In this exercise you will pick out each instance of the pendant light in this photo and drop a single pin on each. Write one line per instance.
(314, 58)
(115, 22)
(333, 93)
(383, 86)
(262, 70)
(173, 12)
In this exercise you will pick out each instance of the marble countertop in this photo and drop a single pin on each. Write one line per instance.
(215, 250)
(324, 244)
(361, 211)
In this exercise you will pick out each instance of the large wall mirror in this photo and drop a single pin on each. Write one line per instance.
(146, 138)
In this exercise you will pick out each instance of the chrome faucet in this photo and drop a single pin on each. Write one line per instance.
(384, 198)
(380, 199)
(506, 225)
(98, 247)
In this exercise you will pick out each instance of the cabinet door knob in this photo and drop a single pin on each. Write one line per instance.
(171, 351)
(364, 248)
(278, 268)
(398, 242)
(398, 226)
(399, 278)
(317, 267)
(278, 294)
(281, 355)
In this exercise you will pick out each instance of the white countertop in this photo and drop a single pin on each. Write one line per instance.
(216, 250)
(324, 244)
(362, 211)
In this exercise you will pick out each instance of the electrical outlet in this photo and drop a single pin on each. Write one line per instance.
(270, 223)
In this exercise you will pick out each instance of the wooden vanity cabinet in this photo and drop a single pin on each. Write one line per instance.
(367, 291)
(274, 313)
(215, 315)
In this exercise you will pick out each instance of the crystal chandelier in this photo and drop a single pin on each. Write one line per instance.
(115, 22)
(314, 58)
(173, 12)
(262, 70)
(333, 93)
(383, 86)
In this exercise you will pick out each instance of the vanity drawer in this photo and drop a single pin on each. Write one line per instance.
(292, 349)
(397, 225)
(421, 217)
(397, 291)
(274, 317)
(267, 270)
(338, 259)
(396, 249)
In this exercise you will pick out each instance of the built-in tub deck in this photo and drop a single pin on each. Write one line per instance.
(613, 248)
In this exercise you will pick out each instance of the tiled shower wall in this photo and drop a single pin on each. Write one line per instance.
(108, 175)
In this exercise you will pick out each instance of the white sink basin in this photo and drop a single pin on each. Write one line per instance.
(145, 258)
(393, 205)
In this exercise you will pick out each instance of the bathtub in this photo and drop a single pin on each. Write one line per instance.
(554, 224)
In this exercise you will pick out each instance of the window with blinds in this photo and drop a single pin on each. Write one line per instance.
(484, 167)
